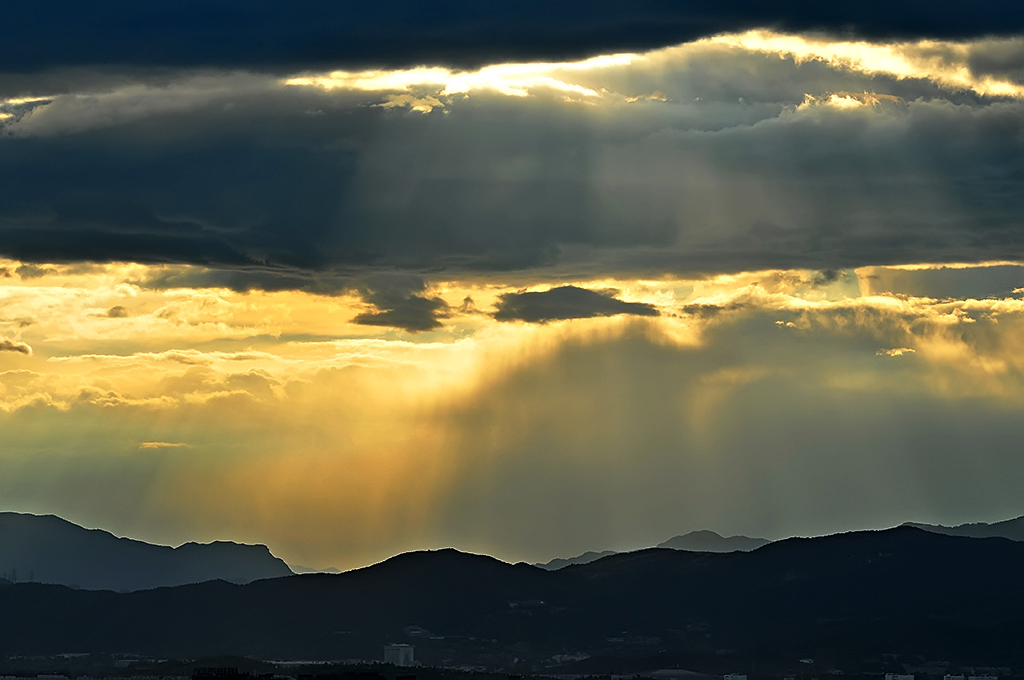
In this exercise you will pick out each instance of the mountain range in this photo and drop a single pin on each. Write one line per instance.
(1012, 529)
(710, 541)
(695, 541)
(851, 601)
(48, 549)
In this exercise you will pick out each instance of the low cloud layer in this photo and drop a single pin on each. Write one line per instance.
(566, 302)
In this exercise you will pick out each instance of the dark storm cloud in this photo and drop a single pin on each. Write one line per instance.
(566, 302)
(174, 188)
(279, 187)
(396, 297)
(262, 34)
(264, 184)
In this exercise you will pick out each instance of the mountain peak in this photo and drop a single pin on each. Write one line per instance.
(50, 549)
(705, 540)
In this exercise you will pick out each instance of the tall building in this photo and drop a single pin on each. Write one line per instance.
(399, 655)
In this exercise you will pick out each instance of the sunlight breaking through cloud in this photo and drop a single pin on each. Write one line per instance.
(513, 80)
(943, 62)
(574, 301)
(946, 63)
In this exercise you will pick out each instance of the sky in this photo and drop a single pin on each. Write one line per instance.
(517, 279)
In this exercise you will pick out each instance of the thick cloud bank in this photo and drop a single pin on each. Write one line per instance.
(743, 152)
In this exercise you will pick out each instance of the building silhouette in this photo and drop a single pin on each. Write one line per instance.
(399, 655)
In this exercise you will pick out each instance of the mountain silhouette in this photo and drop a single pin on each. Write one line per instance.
(849, 598)
(696, 541)
(709, 541)
(1012, 529)
(48, 549)
(585, 558)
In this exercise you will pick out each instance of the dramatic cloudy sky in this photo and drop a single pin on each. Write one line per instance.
(512, 278)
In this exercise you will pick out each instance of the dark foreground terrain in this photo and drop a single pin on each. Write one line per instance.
(866, 602)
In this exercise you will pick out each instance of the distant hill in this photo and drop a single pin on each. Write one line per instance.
(695, 541)
(585, 558)
(48, 549)
(1012, 529)
(299, 569)
(854, 600)
(709, 541)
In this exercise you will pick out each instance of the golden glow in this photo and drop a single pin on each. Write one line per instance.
(603, 78)
(513, 80)
(943, 62)
(55, 316)
(673, 75)
(895, 351)
(19, 101)
(275, 415)
(847, 100)
(944, 265)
